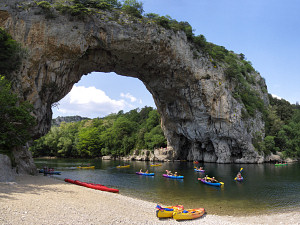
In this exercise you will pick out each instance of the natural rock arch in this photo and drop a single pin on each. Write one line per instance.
(200, 118)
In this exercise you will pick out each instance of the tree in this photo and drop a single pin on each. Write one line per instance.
(15, 118)
(116, 134)
(89, 144)
(133, 7)
(11, 54)
(155, 138)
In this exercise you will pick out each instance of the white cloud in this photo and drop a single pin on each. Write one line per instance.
(275, 96)
(90, 102)
(128, 96)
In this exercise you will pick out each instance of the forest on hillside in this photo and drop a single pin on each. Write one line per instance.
(116, 134)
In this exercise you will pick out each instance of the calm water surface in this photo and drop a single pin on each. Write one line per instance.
(266, 188)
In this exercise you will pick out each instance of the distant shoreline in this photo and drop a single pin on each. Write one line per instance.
(45, 200)
(177, 160)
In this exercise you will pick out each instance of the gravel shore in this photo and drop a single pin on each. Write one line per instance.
(45, 200)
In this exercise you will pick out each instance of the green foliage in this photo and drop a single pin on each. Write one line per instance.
(15, 118)
(169, 23)
(133, 7)
(11, 54)
(282, 107)
(116, 134)
(273, 123)
(47, 9)
(99, 4)
(77, 10)
(44, 4)
(282, 128)
(288, 138)
(155, 138)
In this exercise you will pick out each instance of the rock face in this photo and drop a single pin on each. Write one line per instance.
(200, 118)
(7, 174)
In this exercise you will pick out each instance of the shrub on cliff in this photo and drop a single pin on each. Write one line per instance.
(133, 7)
(10, 53)
(15, 118)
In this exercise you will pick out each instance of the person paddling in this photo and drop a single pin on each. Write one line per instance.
(213, 180)
(169, 172)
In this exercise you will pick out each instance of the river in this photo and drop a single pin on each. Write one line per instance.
(266, 188)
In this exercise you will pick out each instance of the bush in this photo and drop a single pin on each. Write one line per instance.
(133, 7)
(15, 118)
(11, 54)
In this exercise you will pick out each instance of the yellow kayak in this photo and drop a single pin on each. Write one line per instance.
(155, 165)
(86, 167)
(127, 166)
(188, 214)
(167, 212)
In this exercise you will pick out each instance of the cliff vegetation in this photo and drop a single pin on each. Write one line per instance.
(15, 117)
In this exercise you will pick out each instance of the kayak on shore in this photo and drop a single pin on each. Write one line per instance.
(145, 174)
(188, 214)
(167, 212)
(92, 185)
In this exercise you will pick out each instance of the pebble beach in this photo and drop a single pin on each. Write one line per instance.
(46, 200)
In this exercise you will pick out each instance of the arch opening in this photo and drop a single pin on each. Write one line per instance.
(100, 94)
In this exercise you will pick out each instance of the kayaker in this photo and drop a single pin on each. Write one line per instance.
(200, 168)
(206, 179)
(169, 172)
(213, 180)
(239, 175)
(175, 174)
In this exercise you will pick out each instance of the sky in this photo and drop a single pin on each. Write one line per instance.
(267, 32)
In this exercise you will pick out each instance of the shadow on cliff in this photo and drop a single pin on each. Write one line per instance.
(32, 185)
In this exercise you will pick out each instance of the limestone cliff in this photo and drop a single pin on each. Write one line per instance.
(200, 117)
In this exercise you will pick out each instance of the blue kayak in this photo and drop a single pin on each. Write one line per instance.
(209, 183)
(239, 179)
(52, 172)
(49, 172)
(145, 174)
(199, 170)
(173, 177)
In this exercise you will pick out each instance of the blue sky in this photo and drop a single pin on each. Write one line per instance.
(266, 31)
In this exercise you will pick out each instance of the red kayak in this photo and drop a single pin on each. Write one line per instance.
(92, 185)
